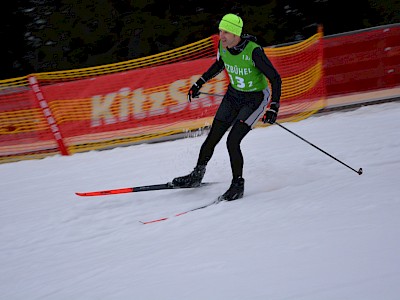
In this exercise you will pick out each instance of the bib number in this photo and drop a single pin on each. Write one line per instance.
(239, 82)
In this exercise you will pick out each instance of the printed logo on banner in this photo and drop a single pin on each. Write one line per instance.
(138, 104)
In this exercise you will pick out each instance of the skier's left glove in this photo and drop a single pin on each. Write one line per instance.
(271, 114)
(194, 90)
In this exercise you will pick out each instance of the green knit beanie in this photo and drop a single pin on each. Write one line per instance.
(231, 23)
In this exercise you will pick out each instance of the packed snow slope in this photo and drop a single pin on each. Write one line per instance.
(308, 227)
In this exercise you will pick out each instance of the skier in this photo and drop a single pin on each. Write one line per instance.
(243, 104)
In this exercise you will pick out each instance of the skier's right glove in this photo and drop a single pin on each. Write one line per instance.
(194, 90)
(271, 114)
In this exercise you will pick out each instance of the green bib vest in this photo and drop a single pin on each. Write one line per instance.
(243, 75)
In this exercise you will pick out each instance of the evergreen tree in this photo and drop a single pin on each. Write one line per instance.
(50, 35)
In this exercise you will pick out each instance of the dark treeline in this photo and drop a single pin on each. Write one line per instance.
(52, 35)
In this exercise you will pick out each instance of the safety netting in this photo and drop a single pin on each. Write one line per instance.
(141, 100)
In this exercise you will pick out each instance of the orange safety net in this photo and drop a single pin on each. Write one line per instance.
(301, 69)
(141, 100)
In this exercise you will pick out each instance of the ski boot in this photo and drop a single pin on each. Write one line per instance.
(235, 191)
(192, 180)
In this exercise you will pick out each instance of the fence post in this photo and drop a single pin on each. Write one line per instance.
(47, 114)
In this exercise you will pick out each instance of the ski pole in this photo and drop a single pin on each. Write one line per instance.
(209, 94)
(359, 172)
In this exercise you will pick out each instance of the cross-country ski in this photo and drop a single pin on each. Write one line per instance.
(143, 188)
(181, 213)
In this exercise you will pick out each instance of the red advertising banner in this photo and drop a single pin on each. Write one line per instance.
(135, 99)
(362, 61)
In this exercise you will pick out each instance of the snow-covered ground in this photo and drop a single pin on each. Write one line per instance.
(308, 227)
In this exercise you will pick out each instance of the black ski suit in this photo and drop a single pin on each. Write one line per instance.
(238, 109)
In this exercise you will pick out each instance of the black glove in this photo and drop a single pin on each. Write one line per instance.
(271, 114)
(194, 90)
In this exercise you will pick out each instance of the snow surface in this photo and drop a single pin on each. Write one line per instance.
(308, 227)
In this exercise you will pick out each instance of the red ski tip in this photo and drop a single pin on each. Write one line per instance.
(106, 192)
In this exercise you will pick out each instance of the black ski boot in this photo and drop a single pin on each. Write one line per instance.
(235, 191)
(192, 180)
